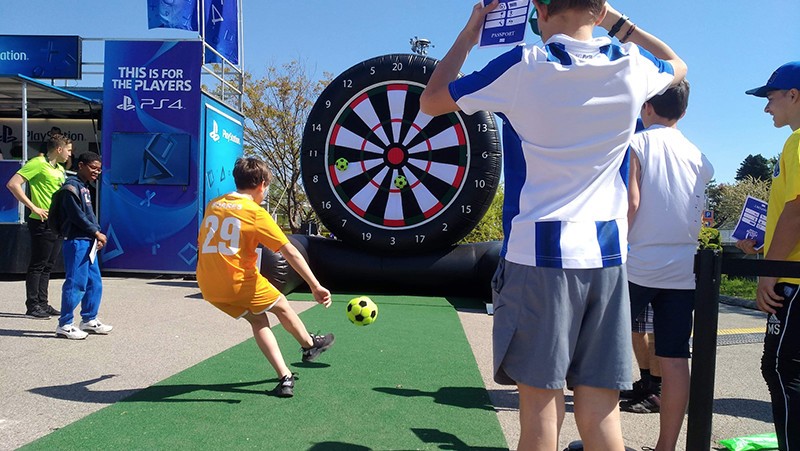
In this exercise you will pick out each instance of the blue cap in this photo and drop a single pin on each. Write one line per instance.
(785, 77)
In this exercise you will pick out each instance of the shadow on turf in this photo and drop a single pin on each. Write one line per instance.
(80, 392)
(446, 440)
(336, 446)
(466, 397)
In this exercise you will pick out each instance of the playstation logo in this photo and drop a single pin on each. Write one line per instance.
(214, 134)
(127, 104)
(8, 135)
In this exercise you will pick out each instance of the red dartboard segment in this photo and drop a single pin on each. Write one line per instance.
(459, 177)
(436, 209)
(335, 134)
(355, 208)
(460, 134)
(394, 222)
(358, 101)
(332, 174)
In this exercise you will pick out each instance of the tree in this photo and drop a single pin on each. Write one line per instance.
(732, 198)
(276, 108)
(490, 227)
(755, 166)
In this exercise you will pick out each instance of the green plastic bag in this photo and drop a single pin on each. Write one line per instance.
(751, 442)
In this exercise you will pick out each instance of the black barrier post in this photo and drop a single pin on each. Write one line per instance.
(708, 271)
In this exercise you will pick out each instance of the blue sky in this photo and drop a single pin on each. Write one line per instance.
(730, 46)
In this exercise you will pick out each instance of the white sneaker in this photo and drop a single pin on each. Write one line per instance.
(96, 327)
(71, 332)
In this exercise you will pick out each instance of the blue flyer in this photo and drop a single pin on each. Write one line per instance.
(752, 223)
(505, 25)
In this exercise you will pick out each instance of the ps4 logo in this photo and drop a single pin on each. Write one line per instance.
(152, 104)
(214, 134)
(7, 135)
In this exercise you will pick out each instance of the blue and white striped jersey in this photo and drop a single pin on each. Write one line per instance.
(569, 110)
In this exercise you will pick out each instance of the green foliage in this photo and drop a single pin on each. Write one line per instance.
(755, 166)
(732, 198)
(490, 227)
(709, 239)
(736, 287)
(276, 107)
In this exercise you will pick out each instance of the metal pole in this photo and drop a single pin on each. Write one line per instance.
(708, 271)
(21, 206)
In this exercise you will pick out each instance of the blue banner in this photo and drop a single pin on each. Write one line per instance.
(222, 143)
(9, 205)
(222, 29)
(41, 56)
(149, 190)
(181, 14)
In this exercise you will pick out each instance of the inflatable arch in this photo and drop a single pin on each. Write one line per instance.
(397, 188)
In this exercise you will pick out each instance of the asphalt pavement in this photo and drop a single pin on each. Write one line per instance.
(161, 327)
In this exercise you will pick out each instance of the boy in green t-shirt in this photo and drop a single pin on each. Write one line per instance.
(44, 176)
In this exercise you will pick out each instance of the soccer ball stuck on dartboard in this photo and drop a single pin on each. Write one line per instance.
(361, 311)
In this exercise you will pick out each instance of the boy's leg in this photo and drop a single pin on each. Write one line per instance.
(673, 328)
(267, 343)
(641, 350)
(654, 363)
(597, 418)
(780, 367)
(541, 413)
(90, 304)
(75, 279)
(291, 322)
(674, 399)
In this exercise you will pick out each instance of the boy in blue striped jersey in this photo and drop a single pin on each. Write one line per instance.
(561, 310)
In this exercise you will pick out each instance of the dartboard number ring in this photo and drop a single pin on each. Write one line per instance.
(381, 175)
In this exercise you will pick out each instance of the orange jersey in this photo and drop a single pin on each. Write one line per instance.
(231, 230)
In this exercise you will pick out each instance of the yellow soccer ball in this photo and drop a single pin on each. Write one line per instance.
(361, 311)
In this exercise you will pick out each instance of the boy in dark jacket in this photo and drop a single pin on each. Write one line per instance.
(82, 240)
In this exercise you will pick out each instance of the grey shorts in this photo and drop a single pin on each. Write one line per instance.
(555, 326)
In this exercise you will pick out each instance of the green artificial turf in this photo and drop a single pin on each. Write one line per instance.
(408, 381)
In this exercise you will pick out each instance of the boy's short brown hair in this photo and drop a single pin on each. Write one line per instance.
(57, 140)
(557, 6)
(673, 102)
(249, 172)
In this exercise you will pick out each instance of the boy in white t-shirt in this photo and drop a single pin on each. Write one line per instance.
(668, 177)
(561, 310)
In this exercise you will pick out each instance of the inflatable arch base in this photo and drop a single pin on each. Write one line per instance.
(463, 270)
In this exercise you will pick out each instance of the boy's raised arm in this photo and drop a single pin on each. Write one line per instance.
(436, 99)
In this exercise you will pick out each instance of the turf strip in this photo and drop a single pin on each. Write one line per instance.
(408, 381)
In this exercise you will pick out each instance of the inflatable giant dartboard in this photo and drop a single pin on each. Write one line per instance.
(383, 176)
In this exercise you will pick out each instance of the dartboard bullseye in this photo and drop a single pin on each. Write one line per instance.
(381, 175)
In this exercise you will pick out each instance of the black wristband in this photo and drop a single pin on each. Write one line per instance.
(617, 26)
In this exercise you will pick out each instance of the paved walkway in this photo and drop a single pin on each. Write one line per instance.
(163, 327)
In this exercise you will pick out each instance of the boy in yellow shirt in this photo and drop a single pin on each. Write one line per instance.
(780, 363)
(232, 228)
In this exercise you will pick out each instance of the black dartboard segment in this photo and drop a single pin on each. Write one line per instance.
(383, 176)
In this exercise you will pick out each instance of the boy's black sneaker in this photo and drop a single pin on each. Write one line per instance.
(321, 344)
(285, 388)
(641, 388)
(648, 404)
(37, 313)
(52, 311)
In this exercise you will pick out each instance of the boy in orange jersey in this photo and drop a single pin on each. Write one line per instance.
(232, 228)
